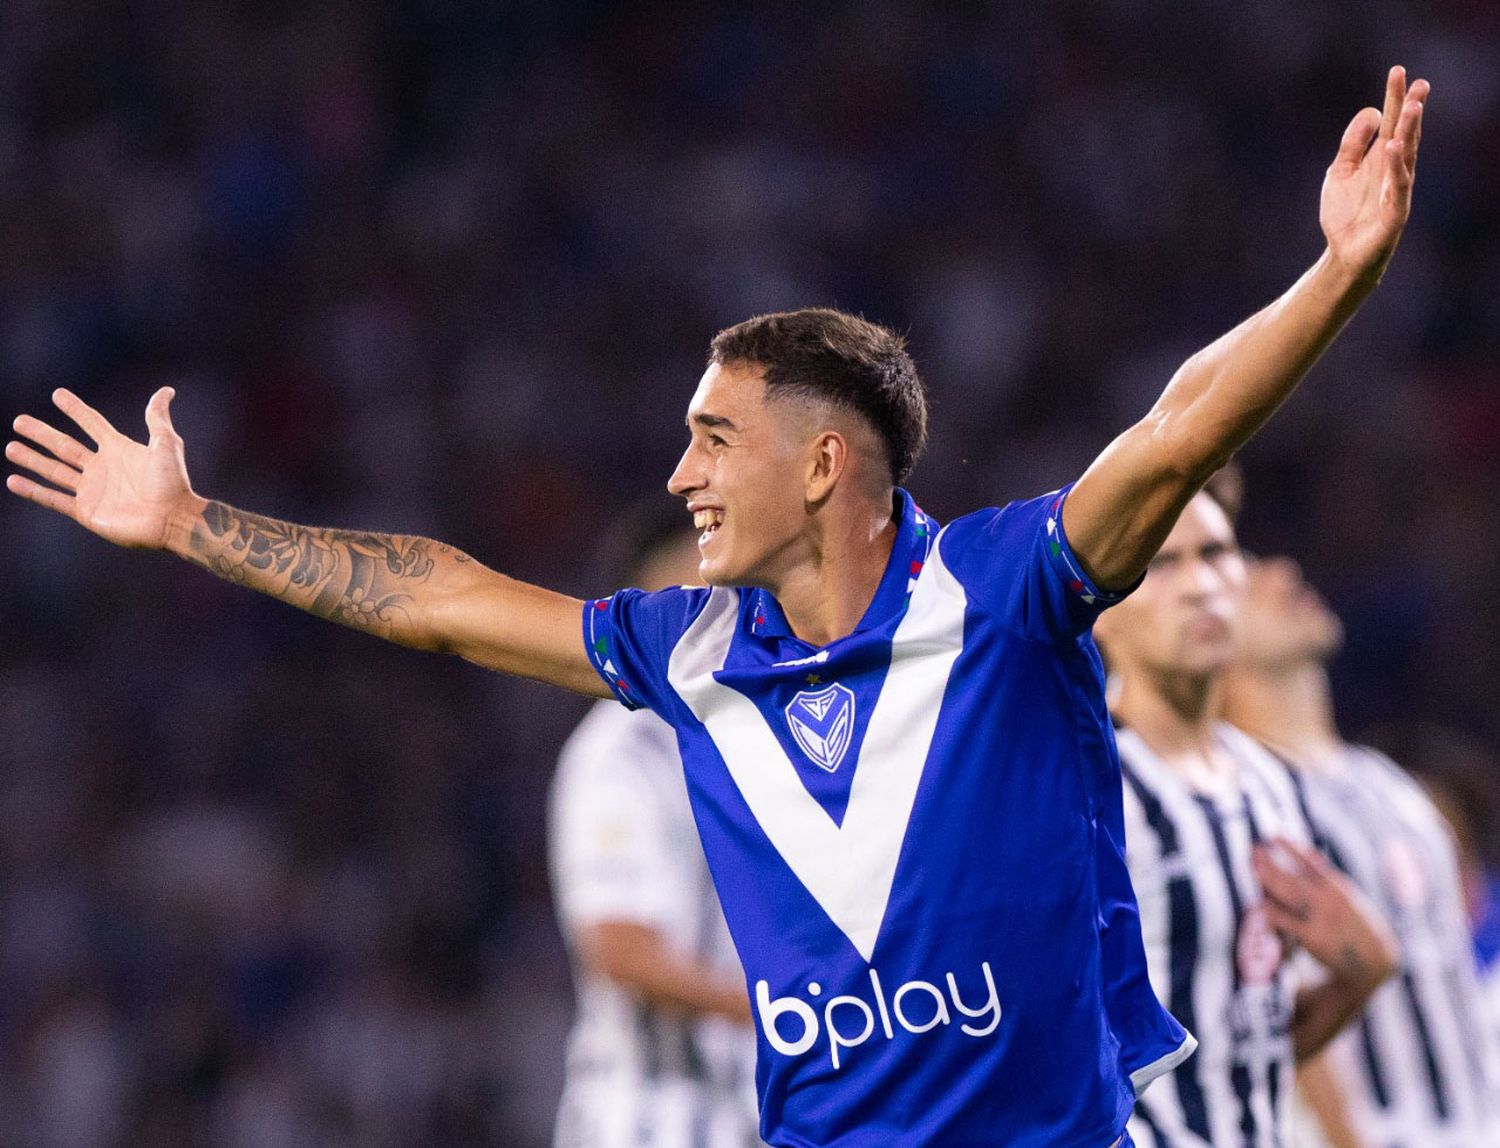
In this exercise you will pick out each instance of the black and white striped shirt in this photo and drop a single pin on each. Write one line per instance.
(1419, 1066)
(624, 847)
(1211, 954)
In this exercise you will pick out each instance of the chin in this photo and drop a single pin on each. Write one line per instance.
(717, 572)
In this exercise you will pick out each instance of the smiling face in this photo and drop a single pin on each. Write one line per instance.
(1185, 617)
(745, 477)
(1286, 621)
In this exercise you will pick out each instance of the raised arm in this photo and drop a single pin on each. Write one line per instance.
(408, 590)
(1123, 507)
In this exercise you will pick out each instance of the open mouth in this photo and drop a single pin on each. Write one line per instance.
(709, 522)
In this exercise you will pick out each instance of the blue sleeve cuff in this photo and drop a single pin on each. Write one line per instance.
(1067, 567)
(599, 640)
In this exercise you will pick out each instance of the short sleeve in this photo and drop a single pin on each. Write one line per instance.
(1016, 562)
(630, 637)
(608, 835)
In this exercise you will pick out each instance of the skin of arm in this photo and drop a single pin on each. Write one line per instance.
(1320, 1088)
(1123, 507)
(1315, 906)
(406, 589)
(635, 957)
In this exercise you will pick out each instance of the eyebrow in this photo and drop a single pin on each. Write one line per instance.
(707, 420)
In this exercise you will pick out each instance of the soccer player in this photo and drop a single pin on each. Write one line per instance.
(1209, 814)
(1418, 1067)
(662, 1053)
(895, 743)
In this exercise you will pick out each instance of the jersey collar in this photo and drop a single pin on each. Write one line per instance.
(914, 536)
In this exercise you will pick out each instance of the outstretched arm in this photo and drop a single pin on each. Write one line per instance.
(1123, 507)
(408, 590)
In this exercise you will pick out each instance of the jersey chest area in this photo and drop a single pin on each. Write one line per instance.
(924, 750)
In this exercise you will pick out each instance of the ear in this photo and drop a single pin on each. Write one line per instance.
(827, 461)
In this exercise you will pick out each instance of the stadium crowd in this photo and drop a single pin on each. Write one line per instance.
(452, 269)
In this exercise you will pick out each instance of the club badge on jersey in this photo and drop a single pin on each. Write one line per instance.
(822, 721)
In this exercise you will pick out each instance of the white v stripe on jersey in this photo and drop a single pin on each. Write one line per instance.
(848, 869)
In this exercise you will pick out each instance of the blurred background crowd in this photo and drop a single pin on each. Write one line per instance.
(451, 268)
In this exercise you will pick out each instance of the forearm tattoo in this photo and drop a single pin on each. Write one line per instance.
(367, 581)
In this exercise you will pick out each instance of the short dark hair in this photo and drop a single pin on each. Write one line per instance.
(843, 359)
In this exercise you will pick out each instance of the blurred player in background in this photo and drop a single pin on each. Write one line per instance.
(662, 1053)
(1221, 861)
(896, 745)
(1418, 1067)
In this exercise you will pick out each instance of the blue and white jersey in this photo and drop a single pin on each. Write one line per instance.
(917, 837)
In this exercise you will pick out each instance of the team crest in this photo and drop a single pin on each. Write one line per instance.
(822, 721)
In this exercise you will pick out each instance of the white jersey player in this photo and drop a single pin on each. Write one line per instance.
(1419, 1067)
(662, 1053)
(1219, 854)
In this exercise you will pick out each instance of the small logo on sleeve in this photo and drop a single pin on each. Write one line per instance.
(822, 721)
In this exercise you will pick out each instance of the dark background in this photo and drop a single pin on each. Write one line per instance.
(452, 269)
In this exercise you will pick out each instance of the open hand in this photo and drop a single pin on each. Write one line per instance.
(1367, 192)
(1316, 906)
(123, 490)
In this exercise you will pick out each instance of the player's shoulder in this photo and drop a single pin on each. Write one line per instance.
(665, 613)
(1378, 771)
(1255, 755)
(1266, 772)
(1368, 762)
(992, 527)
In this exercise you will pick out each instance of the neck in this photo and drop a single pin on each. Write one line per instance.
(1173, 712)
(825, 596)
(1288, 707)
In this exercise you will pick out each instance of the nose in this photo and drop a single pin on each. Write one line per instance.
(1284, 570)
(1201, 580)
(688, 476)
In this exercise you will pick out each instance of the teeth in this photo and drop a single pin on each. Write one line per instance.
(706, 519)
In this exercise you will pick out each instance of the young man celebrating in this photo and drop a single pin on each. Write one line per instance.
(1419, 1066)
(896, 745)
(1208, 814)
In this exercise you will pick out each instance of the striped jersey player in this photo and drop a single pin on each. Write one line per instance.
(837, 811)
(1219, 854)
(1213, 956)
(642, 1072)
(1420, 1065)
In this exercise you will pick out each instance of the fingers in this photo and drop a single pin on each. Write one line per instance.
(1409, 128)
(95, 425)
(1312, 863)
(65, 447)
(41, 495)
(57, 473)
(159, 415)
(1395, 96)
(1285, 889)
(1401, 160)
(1358, 136)
(1288, 922)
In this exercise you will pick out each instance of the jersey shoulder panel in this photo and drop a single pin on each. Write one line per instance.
(1016, 563)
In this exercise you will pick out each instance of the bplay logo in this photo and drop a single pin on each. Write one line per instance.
(848, 1021)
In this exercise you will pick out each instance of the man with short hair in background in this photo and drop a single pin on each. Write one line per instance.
(662, 1054)
(1220, 857)
(1418, 1067)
